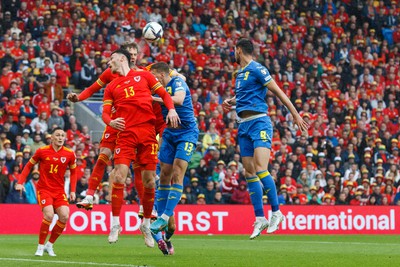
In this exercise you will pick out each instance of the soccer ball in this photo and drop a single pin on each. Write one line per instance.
(152, 31)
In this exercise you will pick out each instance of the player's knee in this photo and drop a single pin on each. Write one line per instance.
(48, 217)
(63, 217)
(106, 151)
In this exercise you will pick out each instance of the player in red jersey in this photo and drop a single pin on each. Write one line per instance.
(131, 96)
(53, 162)
(108, 140)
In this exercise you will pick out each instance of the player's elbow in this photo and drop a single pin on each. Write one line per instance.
(178, 102)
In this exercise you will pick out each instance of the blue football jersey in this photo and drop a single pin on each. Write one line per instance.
(251, 88)
(185, 111)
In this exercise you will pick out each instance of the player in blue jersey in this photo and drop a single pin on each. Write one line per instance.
(255, 132)
(178, 145)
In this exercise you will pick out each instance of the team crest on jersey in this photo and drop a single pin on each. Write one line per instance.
(63, 159)
(263, 71)
(136, 78)
(43, 201)
(117, 150)
(107, 135)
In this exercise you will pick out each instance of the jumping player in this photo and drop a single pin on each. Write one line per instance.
(255, 131)
(130, 95)
(177, 146)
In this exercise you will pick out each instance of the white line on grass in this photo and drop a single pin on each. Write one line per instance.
(292, 241)
(70, 262)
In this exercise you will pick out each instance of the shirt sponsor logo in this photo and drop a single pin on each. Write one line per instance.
(55, 159)
(63, 159)
(127, 82)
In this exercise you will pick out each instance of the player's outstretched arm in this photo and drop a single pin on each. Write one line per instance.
(274, 88)
(178, 98)
(228, 103)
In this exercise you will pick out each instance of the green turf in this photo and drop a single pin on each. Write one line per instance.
(204, 251)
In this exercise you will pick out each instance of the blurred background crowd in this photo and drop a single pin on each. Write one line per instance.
(338, 61)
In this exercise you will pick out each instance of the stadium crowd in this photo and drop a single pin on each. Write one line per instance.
(338, 61)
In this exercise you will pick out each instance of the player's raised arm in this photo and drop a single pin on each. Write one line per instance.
(103, 80)
(274, 88)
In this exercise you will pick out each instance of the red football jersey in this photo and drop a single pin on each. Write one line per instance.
(131, 97)
(52, 167)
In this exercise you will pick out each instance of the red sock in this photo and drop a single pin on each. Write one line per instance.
(57, 231)
(117, 198)
(44, 230)
(148, 202)
(139, 183)
(97, 174)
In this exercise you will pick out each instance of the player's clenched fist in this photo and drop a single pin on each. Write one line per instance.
(73, 97)
(228, 103)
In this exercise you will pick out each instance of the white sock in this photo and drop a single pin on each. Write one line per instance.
(49, 244)
(89, 197)
(165, 217)
(146, 222)
(40, 246)
(115, 220)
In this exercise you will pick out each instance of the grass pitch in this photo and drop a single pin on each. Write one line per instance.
(204, 251)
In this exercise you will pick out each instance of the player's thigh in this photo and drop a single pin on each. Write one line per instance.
(59, 199)
(261, 158)
(167, 150)
(260, 132)
(125, 148)
(184, 150)
(45, 198)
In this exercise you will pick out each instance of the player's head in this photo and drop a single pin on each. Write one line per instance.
(58, 137)
(133, 50)
(161, 71)
(119, 58)
(244, 47)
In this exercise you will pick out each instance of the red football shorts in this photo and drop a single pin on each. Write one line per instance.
(109, 138)
(137, 144)
(56, 199)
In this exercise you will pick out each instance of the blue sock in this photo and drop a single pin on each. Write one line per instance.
(256, 194)
(168, 234)
(269, 188)
(157, 237)
(174, 196)
(162, 197)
